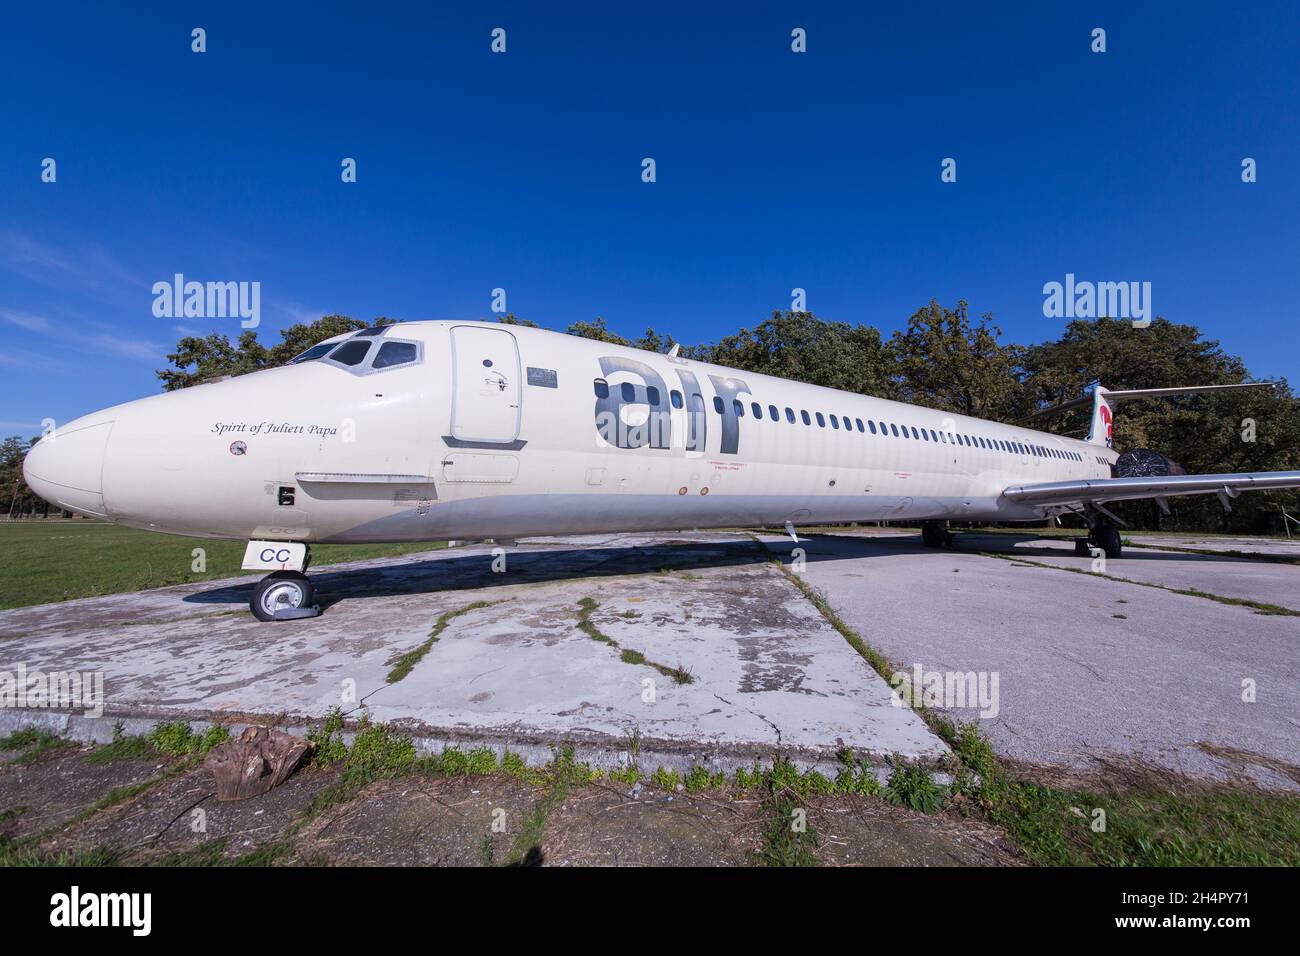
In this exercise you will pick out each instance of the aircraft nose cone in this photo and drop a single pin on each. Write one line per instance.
(66, 467)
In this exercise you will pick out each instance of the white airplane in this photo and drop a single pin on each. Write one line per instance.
(427, 431)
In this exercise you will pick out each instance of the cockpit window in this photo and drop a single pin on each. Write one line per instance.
(315, 352)
(350, 353)
(395, 353)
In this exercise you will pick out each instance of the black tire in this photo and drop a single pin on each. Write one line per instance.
(934, 535)
(280, 589)
(1106, 536)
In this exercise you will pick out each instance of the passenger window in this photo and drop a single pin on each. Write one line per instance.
(821, 420)
(925, 435)
(602, 388)
(893, 428)
(772, 413)
(738, 407)
(803, 413)
(652, 395)
(789, 415)
(676, 398)
(757, 409)
(395, 353)
(835, 423)
(860, 428)
(717, 405)
(871, 425)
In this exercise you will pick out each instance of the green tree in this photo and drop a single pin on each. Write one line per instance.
(1205, 434)
(200, 359)
(15, 497)
(300, 336)
(511, 319)
(945, 361)
(799, 346)
(597, 330)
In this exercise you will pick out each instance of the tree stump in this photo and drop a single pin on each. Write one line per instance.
(259, 759)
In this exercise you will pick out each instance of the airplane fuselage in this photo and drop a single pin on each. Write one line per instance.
(483, 430)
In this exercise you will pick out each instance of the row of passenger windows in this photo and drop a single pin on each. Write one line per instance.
(627, 392)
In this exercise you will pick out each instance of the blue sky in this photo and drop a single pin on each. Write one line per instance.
(523, 170)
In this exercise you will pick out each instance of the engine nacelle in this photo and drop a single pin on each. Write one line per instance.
(1145, 463)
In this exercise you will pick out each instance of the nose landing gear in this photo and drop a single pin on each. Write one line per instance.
(285, 593)
(283, 596)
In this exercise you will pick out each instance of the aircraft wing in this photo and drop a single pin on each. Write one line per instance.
(1101, 490)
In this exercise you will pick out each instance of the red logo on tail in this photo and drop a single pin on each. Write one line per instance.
(1105, 417)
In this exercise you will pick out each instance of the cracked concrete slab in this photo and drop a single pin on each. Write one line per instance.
(766, 670)
(1090, 669)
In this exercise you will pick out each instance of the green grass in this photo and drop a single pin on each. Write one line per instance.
(1259, 607)
(123, 748)
(587, 606)
(33, 743)
(403, 665)
(1152, 824)
(55, 559)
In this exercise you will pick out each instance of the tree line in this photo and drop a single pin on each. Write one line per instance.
(944, 359)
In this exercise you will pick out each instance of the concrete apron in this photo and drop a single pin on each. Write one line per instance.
(768, 674)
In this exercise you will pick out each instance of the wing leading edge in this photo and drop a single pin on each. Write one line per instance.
(1101, 490)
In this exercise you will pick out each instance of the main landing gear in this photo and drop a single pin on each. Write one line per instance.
(935, 535)
(1103, 534)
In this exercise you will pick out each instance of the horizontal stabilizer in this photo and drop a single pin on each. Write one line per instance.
(1103, 400)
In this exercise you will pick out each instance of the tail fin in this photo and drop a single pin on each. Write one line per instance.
(1103, 417)
(1103, 404)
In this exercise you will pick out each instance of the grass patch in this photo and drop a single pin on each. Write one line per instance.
(124, 748)
(565, 773)
(176, 739)
(30, 856)
(1259, 607)
(407, 661)
(1145, 826)
(587, 606)
(914, 787)
(213, 853)
(788, 839)
(33, 742)
(56, 559)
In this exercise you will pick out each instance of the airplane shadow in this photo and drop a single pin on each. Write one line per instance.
(461, 572)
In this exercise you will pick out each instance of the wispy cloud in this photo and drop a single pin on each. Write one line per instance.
(87, 269)
(104, 341)
(28, 321)
(134, 349)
